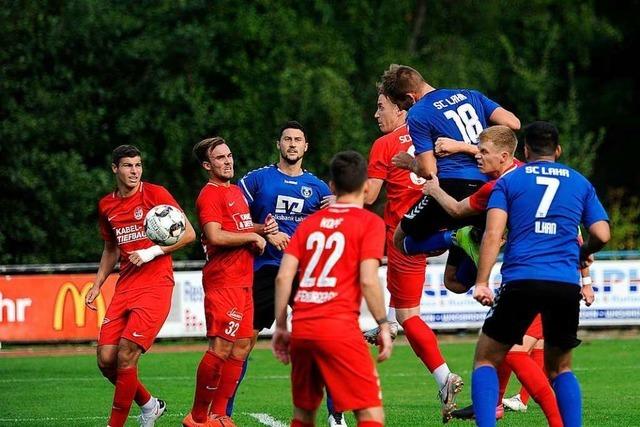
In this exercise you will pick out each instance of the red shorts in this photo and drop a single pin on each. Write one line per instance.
(229, 313)
(136, 315)
(535, 329)
(405, 276)
(343, 366)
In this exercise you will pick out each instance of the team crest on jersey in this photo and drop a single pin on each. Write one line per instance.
(306, 192)
(138, 213)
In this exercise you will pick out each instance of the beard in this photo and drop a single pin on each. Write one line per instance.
(291, 160)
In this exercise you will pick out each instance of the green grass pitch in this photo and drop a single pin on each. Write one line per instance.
(69, 391)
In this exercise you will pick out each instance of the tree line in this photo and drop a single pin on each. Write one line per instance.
(79, 78)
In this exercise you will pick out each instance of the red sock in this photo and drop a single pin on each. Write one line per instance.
(504, 373)
(228, 382)
(298, 423)
(142, 395)
(537, 355)
(126, 384)
(536, 382)
(423, 342)
(207, 380)
(369, 424)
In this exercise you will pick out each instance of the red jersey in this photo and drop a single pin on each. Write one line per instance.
(226, 266)
(330, 245)
(121, 220)
(404, 188)
(479, 200)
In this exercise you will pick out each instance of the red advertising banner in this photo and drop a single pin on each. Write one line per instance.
(51, 307)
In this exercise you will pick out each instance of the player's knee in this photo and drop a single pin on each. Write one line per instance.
(304, 415)
(241, 348)
(375, 414)
(107, 359)
(221, 347)
(128, 354)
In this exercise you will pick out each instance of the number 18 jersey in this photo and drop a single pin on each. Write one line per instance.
(330, 245)
(460, 114)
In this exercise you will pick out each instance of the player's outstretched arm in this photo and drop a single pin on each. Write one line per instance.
(108, 260)
(502, 116)
(372, 293)
(489, 248)
(284, 280)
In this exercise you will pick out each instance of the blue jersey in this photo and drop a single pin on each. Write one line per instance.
(460, 114)
(288, 198)
(545, 203)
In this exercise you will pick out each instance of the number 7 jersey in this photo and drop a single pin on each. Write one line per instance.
(330, 245)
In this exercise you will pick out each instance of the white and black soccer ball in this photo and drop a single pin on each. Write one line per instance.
(164, 225)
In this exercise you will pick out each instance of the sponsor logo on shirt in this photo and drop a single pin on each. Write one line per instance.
(289, 205)
(243, 221)
(130, 233)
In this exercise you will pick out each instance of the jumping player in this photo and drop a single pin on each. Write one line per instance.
(405, 274)
(142, 297)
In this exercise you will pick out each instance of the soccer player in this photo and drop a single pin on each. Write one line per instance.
(338, 251)
(458, 114)
(405, 274)
(542, 203)
(286, 193)
(230, 242)
(495, 158)
(142, 297)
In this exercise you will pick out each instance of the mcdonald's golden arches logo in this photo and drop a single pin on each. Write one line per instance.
(80, 310)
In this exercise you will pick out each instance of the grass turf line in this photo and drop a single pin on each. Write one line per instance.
(69, 391)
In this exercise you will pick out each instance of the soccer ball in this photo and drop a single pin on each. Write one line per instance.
(164, 225)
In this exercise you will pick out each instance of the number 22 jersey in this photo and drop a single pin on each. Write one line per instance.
(330, 245)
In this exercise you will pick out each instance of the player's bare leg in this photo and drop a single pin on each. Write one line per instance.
(398, 239)
(370, 417)
(451, 281)
(425, 345)
(303, 417)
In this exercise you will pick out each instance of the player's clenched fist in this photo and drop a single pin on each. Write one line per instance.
(483, 294)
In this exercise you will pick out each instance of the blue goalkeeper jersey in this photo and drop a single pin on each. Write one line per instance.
(290, 199)
(545, 203)
(460, 114)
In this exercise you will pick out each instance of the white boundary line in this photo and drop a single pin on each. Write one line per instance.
(267, 419)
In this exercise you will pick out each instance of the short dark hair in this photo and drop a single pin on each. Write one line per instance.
(124, 151)
(397, 82)
(541, 138)
(202, 149)
(292, 124)
(348, 172)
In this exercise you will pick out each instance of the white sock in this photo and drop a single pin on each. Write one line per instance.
(391, 315)
(149, 406)
(440, 374)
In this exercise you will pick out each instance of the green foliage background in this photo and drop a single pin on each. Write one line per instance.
(78, 78)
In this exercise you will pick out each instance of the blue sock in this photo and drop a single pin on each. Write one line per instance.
(233, 398)
(330, 408)
(432, 243)
(569, 398)
(466, 272)
(484, 394)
